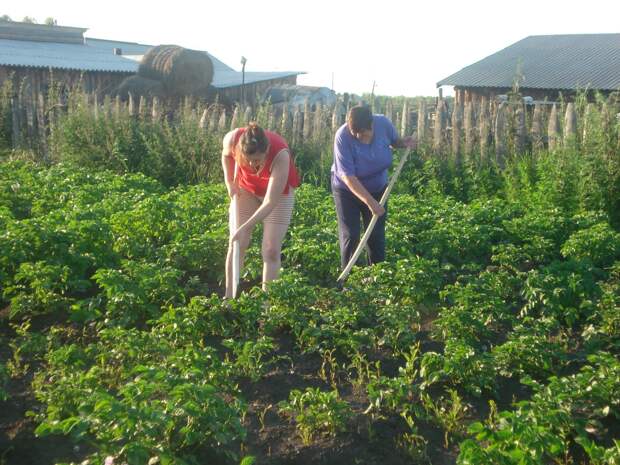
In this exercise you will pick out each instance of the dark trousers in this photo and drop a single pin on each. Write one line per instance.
(349, 209)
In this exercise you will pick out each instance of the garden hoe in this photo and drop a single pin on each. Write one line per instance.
(345, 273)
(234, 220)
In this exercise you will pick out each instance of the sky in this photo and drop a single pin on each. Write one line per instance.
(403, 47)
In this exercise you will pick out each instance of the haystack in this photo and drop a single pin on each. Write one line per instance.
(139, 86)
(180, 70)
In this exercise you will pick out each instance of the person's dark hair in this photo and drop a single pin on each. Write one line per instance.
(360, 118)
(253, 140)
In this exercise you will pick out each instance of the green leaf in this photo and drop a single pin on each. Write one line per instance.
(248, 460)
(43, 430)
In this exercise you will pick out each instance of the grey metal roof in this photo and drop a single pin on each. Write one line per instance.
(97, 55)
(234, 78)
(572, 61)
(83, 57)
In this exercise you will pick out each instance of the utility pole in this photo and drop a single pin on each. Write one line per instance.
(243, 62)
(372, 96)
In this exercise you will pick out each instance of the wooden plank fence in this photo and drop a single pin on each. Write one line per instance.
(488, 129)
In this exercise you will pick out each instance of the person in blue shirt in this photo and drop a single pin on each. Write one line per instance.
(359, 175)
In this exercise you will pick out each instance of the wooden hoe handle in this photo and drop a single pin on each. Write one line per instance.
(345, 273)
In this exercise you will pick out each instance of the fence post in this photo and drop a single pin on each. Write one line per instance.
(484, 126)
(421, 126)
(297, 122)
(117, 106)
(42, 127)
(570, 125)
(234, 122)
(131, 106)
(606, 118)
(318, 123)
(221, 126)
(404, 122)
(58, 105)
(553, 128)
(30, 114)
(213, 118)
(247, 116)
(271, 117)
(336, 116)
(15, 122)
(105, 107)
(469, 128)
(538, 143)
(520, 132)
(500, 135)
(204, 120)
(142, 111)
(307, 130)
(285, 125)
(456, 135)
(438, 130)
(96, 106)
(156, 112)
(587, 124)
(389, 110)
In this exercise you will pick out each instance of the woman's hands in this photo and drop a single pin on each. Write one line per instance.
(233, 188)
(362, 193)
(240, 232)
(375, 207)
(409, 142)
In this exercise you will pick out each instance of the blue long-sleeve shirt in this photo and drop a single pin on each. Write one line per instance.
(368, 162)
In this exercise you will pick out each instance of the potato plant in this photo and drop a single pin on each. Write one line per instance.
(111, 290)
(316, 412)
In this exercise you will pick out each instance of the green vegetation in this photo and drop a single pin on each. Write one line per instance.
(315, 412)
(491, 335)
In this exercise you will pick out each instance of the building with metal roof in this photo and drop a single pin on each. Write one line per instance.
(34, 49)
(292, 96)
(542, 67)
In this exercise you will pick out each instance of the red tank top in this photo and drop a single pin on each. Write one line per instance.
(256, 183)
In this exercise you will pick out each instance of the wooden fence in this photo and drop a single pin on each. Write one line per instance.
(487, 129)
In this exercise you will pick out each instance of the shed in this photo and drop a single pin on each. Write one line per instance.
(41, 53)
(542, 67)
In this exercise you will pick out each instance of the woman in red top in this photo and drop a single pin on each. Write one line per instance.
(258, 168)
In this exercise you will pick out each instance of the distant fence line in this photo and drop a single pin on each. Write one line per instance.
(485, 129)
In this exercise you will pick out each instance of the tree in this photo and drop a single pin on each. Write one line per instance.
(51, 21)
(5, 18)
(28, 19)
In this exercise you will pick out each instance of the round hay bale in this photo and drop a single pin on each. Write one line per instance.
(139, 86)
(180, 70)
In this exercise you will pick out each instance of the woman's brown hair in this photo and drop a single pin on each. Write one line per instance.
(360, 118)
(253, 140)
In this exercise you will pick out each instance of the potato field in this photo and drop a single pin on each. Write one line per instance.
(490, 336)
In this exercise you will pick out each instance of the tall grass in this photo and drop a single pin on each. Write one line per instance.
(174, 150)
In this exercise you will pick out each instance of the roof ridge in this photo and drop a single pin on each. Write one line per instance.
(575, 34)
(118, 41)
